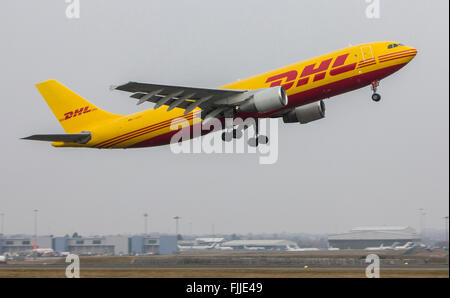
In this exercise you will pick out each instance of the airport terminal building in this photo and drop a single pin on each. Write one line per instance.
(13, 245)
(365, 237)
(95, 246)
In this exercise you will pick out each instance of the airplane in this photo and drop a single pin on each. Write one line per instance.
(406, 246)
(224, 248)
(2, 259)
(382, 247)
(201, 244)
(197, 247)
(295, 93)
(394, 246)
(254, 248)
(304, 249)
(43, 252)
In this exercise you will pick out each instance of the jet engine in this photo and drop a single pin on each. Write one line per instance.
(305, 114)
(265, 100)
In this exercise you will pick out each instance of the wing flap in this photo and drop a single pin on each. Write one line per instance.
(187, 98)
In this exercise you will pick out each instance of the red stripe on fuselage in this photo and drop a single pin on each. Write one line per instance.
(370, 62)
(366, 65)
(396, 53)
(395, 58)
(392, 56)
(176, 121)
(367, 61)
(147, 127)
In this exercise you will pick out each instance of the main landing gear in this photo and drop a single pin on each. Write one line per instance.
(228, 136)
(375, 96)
(258, 139)
(237, 133)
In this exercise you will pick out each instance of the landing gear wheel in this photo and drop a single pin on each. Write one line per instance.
(227, 137)
(376, 97)
(253, 142)
(263, 140)
(237, 134)
(258, 139)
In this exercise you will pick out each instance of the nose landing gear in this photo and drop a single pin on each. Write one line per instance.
(375, 96)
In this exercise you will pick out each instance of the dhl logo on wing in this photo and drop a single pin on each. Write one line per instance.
(317, 72)
(77, 112)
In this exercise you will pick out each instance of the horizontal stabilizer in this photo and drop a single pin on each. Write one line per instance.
(80, 138)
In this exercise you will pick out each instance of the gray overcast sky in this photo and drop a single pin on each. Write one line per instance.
(365, 164)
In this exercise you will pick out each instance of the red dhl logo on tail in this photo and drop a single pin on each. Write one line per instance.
(288, 79)
(77, 112)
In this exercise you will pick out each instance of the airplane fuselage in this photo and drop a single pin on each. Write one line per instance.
(305, 82)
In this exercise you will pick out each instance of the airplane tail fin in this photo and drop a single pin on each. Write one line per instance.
(73, 112)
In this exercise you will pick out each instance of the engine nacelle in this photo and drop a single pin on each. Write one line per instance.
(306, 114)
(266, 100)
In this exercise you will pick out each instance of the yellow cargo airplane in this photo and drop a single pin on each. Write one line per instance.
(294, 93)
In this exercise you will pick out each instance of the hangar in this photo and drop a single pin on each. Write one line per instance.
(364, 237)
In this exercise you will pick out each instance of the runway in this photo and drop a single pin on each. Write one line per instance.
(222, 273)
(130, 267)
(236, 265)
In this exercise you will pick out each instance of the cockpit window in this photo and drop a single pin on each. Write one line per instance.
(394, 45)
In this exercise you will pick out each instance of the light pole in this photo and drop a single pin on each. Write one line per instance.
(35, 224)
(2, 224)
(146, 223)
(177, 218)
(446, 230)
(35, 231)
(422, 222)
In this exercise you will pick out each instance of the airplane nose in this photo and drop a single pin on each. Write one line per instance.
(413, 53)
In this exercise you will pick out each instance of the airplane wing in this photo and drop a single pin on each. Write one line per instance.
(81, 138)
(213, 102)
